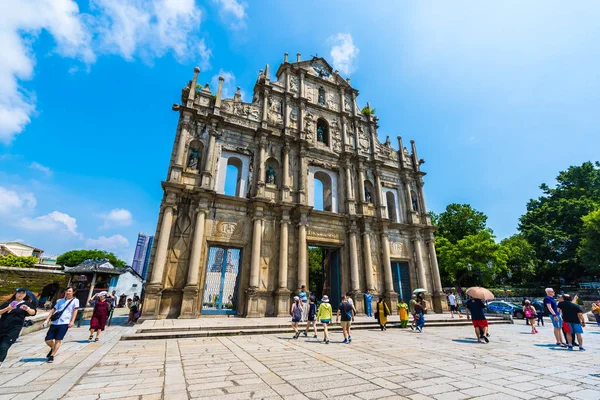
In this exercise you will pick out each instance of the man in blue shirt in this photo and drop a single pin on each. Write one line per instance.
(555, 317)
(476, 308)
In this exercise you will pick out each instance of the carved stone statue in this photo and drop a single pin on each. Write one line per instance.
(320, 134)
(322, 96)
(270, 175)
(194, 159)
(415, 201)
(368, 197)
(294, 84)
(348, 103)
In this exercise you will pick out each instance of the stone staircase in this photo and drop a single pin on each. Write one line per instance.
(209, 327)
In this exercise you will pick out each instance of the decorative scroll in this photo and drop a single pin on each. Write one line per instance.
(325, 234)
(397, 249)
(228, 230)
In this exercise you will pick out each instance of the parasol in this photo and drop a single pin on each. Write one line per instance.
(477, 292)
(420, 290)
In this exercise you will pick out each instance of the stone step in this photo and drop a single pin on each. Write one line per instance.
(182, 333)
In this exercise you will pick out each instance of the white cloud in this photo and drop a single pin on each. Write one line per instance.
(12, 202)
(117, 217)
(113, 242)
(233, 11)
(129, 28)
(343, 52)
(229, 86)
(54, 222)
(19, 25)
(40, 167)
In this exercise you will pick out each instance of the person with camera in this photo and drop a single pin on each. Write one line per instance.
(63, 317)
(12, 319)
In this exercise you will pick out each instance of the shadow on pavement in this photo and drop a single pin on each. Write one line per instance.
(545, 345)
(28, 360)
(469, 341)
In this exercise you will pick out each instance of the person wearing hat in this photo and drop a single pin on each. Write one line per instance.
(100, 314)
(296, 315)
(12, 317)
(325, 315)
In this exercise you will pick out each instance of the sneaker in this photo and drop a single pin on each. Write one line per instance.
(570, 347)
(486, 339)
(49, 354)
(349, 339)
(327, 342)
(315, 337)
(412, 327)
(305, 334)
(561, 344)
(581, 348)
(419, 329)
(50, 359)
(324, 340)
(345, 341)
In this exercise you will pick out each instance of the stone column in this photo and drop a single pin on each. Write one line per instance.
(368, 260)
(421, 197)
(438, 295)
(301, 88)
(184, 134)
(361, 184)
(419, 260)
(153, 293)
(380, 199)
(191, 290)
(390, 296)
(219, 92)
(283, 293)
(301, 176)
(302, 250)
(265, 109)
(349, 192)
(285, 172)
(262, 171)
(256, 249)
(207, 182)
(354, 279)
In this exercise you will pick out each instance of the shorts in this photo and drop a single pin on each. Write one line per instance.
(57, 332)
(310, 318)
(296, 320)
(345, 324)
(575, 328)
(454, 308)
(325, 321)
(480, 323)
(558, 323)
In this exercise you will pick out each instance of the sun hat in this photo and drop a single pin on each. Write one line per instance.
(414, 295)
(325, 299)
(296, 298)
(20, 289)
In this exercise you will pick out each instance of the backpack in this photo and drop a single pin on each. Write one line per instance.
(297, 313)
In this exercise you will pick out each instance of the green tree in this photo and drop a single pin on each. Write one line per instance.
(315, 270)
(459, 221)
(589, 247)
(521, 259)
(18, 261)
(76, 257)
(553, 223)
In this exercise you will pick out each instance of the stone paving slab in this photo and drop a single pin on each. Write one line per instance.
(441, 363)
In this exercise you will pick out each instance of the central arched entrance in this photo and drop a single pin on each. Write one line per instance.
(324, 273)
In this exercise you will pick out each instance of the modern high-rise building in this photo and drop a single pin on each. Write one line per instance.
(141, 257)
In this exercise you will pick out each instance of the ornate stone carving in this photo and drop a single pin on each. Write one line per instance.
(320, 233)
(275, 112)
(397, 249)
(363, 140)
(407, 159)
(294, 84)
(348, 103)
(294, 116)
(309, 126)
(228, 230)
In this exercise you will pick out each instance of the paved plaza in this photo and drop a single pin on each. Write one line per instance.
(441, 363)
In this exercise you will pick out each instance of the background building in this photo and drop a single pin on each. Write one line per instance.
(141, 257)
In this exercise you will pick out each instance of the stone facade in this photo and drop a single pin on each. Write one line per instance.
(302, 127)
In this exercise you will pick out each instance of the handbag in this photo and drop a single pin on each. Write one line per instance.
(56, 316)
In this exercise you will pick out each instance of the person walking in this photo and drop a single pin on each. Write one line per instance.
(573, 315)
(555, 317)
(12, 318)
(411, 309)
(453, 306)
(419, 317)
(530, 315)
(403, 312)
(100, 314)
(325, 315)
(296, 316)
(382, 313)
(346, 310)
(539, 310)
(133, 310)
(303, 295)
(311, 320)
(476, 308)
(63, 317)
(596, 311)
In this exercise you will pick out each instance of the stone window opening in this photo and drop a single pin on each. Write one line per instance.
(323, 195)
(415, 201)
(368, 192)
(321, 98)
(194, 156)
(391, 206)
(233, 177)
(323, 131)
(273, 172)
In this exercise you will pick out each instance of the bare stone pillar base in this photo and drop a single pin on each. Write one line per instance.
(283, 302)
(391, 298)
(438, 301)
(151, 303)
(189, 303)
(359, 301)
(255, 303)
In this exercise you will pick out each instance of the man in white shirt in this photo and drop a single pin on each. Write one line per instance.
(453, 306)
(67, 308)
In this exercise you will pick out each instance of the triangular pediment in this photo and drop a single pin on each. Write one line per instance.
(318, 67)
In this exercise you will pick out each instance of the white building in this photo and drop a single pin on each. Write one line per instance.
(128, 283)
(19, 249)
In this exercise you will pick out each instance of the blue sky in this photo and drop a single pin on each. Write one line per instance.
(498, 97)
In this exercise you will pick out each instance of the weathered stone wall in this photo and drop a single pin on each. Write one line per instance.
(31, 278)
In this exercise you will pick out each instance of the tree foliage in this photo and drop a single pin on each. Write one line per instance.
(18, 261)
(520, 259)
(589, 247)
(76, 257)
(459, 221)
(554, 223)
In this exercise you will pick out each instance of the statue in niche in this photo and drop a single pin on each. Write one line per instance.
(270, 175)
(322, 96)
(194, 159)
(415, 202)
(320, 134)
(368, 197)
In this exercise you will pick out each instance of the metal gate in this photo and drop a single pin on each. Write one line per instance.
(222, 281)
(401, 280)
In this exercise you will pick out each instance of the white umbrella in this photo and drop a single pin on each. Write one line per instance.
(420, 290)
